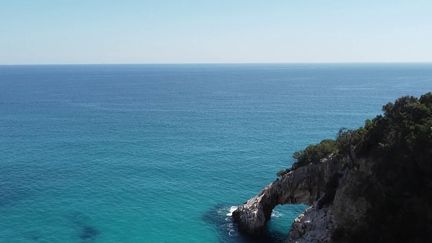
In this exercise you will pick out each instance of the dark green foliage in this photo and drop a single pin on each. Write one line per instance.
(347, 141)
(398, 144)
(314, 153)
(283, 172)
(405, 124)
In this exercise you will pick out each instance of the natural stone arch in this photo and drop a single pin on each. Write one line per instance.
(303, 185)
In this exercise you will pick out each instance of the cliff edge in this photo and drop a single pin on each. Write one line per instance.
(369, 184)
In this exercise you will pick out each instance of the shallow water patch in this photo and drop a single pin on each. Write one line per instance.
(282, 218)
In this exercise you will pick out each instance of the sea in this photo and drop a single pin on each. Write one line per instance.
(162, 153)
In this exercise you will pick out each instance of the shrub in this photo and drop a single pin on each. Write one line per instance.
(314, 153)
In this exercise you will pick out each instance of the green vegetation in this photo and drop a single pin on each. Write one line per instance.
(314, 153)
(403, 132)
(398, 146)
(282, 172)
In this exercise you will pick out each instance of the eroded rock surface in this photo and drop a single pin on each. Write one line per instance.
(314, 225)
(372, 184)
(325, 186)
(304, 185)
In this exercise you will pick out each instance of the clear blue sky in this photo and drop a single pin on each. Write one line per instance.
(195, 31)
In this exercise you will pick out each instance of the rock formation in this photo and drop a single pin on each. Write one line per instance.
(303, 185)
(307, 185)
(373, 184)
(329, 187)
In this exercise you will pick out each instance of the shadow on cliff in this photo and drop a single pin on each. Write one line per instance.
(227, 230)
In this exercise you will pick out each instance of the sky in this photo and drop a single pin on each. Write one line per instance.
(214, 31)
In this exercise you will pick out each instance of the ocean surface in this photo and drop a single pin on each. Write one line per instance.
(159, 153)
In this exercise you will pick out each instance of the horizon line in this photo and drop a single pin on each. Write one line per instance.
(213, 63)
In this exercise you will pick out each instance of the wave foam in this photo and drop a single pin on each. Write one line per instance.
(231, 210)
(276, 214)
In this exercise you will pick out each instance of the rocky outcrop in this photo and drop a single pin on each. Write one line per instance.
(314, 225)
(325, 186)
(304, 185)
(372, 184)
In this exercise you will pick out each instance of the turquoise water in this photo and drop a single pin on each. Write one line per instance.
(159, 153)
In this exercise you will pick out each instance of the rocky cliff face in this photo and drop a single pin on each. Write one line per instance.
(372, 184)
(326, 186)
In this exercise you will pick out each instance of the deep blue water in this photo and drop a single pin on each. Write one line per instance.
(158, 153)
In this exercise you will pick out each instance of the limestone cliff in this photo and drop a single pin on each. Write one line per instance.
(371, 184)
(303, 185)
(316, 185)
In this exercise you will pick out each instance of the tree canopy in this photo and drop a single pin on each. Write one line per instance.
(398, 143)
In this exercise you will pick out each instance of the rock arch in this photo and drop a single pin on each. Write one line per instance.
(303, 185)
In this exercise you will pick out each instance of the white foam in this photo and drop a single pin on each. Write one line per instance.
(231, 210)
(276, 214)
(232, 232)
